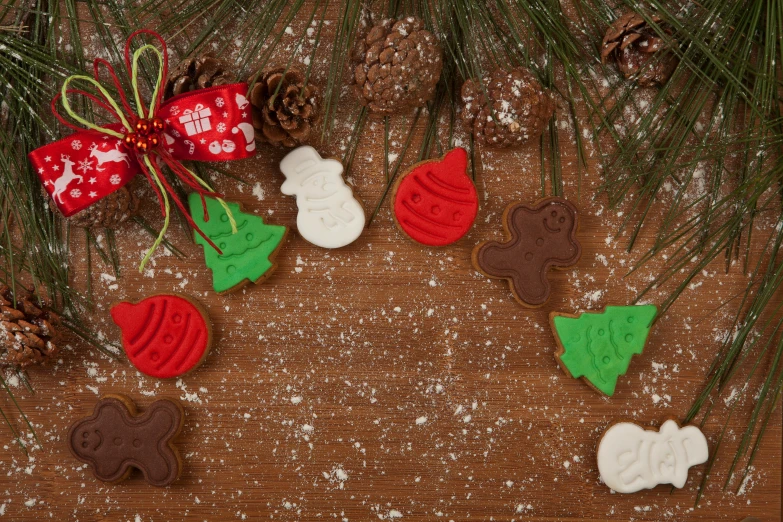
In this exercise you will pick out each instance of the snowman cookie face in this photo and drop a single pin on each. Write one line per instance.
(631, 458)
(329, 215)
(319, 186)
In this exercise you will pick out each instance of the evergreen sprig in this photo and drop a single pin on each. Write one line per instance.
(716, 123)
(34, 245)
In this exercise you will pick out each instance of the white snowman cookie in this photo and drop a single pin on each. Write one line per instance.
(631, 458)
(329, 214)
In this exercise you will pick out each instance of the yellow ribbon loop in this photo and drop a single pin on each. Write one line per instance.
(107, 97)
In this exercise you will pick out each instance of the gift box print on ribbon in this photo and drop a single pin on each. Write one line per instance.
(215, 128)
(197, 120)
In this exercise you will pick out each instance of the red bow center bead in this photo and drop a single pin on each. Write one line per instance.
(158, 124)
(147, 135)
(143, 126)
(130, 140)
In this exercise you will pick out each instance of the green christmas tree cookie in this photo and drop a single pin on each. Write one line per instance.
(247, 255)
(598, 346)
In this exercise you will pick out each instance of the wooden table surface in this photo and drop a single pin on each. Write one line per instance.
(387, 380)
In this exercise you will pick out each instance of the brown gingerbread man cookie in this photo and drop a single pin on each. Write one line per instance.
(114, 440)
(541, 237)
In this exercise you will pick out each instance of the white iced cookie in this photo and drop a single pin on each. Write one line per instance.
(329, 215)
(631, 458)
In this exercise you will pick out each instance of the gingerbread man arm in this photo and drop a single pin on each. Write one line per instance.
(512, 262)
(165, 419)
(497, 259)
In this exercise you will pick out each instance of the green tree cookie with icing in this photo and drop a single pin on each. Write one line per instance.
(598, 346)
(247, 255)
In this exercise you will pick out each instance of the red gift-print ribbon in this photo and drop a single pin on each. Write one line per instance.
(212, 124)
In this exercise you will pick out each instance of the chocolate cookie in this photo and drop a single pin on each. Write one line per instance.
(115, 439)
(540, 237)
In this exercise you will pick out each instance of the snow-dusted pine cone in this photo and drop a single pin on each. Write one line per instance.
(197, 73)
(632, 43)
(28, 332)
(284, 108)
(110, 211)
(511, 109)
(397, 66)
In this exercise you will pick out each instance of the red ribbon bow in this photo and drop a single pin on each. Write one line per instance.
(212, 124)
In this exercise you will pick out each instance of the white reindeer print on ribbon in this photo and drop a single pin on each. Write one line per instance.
(113, 155)
(61, 182)
(329, 215)
(631, 458)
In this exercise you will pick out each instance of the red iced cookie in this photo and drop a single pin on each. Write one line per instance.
(164, 335)
(435, 202)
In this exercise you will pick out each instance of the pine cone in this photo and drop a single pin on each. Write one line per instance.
(631, 43)
(285, 118)
(110, 211)
(196, 73)
(28, 333)
(511, 109)
(397, 67)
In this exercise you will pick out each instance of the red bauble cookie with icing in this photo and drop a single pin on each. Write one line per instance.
(435, 202)
(164, 335)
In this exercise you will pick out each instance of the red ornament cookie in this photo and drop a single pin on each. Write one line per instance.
(435, 202)
(164, 335)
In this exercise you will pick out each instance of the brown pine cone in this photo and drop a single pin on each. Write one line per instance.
(631, 43)
(511, 109)
(196, 73)
(28, 333)
(286, 118)
(110, 211)
(397, 67)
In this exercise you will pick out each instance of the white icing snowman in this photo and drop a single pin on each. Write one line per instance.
(329, 216)
(631, 458)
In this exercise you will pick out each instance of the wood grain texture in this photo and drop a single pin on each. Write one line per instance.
(387, 379)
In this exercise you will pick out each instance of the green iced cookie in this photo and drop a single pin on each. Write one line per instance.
(598, 346)
(247, 256)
